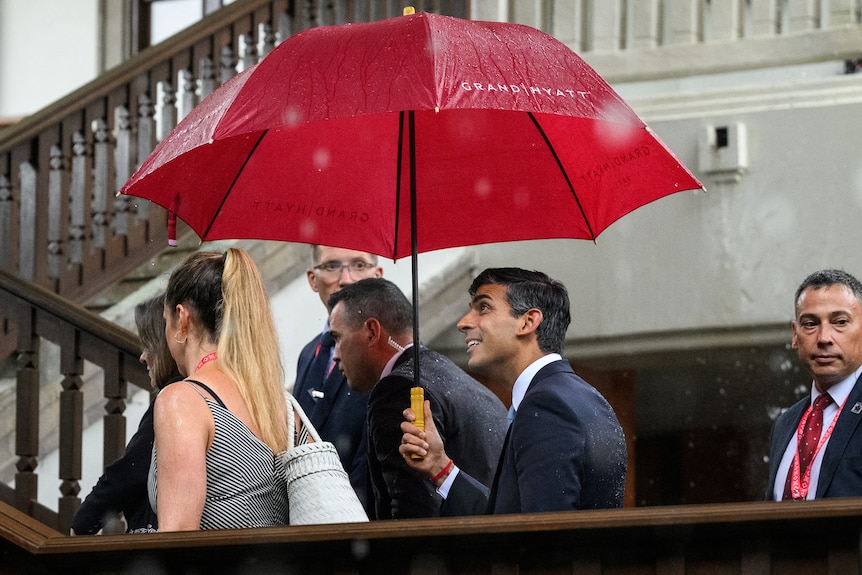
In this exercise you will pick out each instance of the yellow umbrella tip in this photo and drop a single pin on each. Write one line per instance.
(408, 10)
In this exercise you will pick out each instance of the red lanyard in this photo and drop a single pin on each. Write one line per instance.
(331, 363)
(799, 484)
(206, 359)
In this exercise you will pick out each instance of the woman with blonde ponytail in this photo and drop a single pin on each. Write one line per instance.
(219, 434)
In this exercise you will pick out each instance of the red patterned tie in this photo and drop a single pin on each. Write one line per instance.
(810, 438)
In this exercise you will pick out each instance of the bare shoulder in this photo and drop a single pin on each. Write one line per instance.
(180, 397)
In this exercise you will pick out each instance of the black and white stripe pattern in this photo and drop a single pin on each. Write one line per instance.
(245, 481)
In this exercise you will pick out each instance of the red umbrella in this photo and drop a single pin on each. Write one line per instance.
(407, 135)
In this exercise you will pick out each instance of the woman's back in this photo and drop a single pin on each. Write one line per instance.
(245, 484)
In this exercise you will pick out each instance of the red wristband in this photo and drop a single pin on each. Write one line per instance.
(443, 472)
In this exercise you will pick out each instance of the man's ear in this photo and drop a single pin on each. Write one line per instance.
(373, 331)
(312, 279)
(529, 321)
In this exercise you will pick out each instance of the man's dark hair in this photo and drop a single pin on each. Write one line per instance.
(378, 298)
(526, 290)
(827, 278)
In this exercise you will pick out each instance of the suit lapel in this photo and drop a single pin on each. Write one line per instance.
(331, 389)
(846, 425)
(783, 433)
(302, 372)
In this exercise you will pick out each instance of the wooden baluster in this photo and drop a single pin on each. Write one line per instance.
(27, 411)
(326, 14)
(228, 64)
(114, 423)
(207, 77)
(99, 207)
(309, 15)
(146, 143)
(78, 199)
(27, 214)
(267, 35)
(168, 113)
(341, 12)
(6, 207)
(249, 51)
(188, 93)
(71, 426)
(57, 213)
(286, 23)
(122, 170)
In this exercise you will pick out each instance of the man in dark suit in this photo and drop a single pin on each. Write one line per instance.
(565, 448)
(372, 323)
(336, 411)
(827, 334)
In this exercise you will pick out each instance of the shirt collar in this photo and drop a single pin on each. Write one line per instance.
(839, 391)
(523, 381)
(390, 365)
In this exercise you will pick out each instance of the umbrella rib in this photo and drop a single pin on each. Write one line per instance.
(232, 184)
(563, 171)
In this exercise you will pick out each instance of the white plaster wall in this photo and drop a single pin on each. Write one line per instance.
(48, 48)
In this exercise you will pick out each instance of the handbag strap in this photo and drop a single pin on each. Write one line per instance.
(293, 408)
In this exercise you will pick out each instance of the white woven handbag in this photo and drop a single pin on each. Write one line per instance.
(318, 488)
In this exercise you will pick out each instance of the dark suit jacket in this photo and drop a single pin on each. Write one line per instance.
(471, 421)
(841, 470)
(565, 450)
(339, 417)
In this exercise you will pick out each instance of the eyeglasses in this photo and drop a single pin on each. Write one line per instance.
(336, 268)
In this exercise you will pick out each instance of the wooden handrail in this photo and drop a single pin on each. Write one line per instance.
(38, 314)
(760, 537)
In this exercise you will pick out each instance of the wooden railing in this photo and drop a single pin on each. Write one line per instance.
(40, 315)
(792, 538)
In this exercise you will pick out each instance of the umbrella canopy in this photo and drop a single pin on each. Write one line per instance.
(497, 131)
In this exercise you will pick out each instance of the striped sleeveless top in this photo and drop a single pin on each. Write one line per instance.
(245, 482)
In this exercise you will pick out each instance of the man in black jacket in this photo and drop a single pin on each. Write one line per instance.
(372, 324)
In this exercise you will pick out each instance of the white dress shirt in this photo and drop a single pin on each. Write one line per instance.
(839, 393)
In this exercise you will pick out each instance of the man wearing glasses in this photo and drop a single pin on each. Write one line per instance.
(335, 410)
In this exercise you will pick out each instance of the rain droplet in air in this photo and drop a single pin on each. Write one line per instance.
(308, 229)
(483, 188)
(322, 159)
(292, 116)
